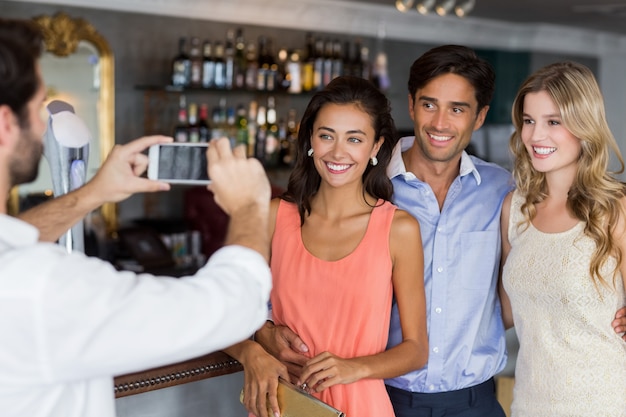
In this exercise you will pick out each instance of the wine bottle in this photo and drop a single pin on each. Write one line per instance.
(271, 79)
(193, 129)
(181, 65)
(252, 66)
(337, 67)
(261, 134)
(294, 73)
(308, 63)
(262, 65)
(204, 130)
(241, 124)
(366, 71)
(240, 60)
(318, 67)
(181, 132)
(283, 79)
(272, 145)
(229, 59)
(195, 58)
(220, 66)
(208, 66)
(252, 128)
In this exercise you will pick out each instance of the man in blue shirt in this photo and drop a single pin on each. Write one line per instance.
(457, 199)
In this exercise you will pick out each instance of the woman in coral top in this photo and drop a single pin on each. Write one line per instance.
(340, 252)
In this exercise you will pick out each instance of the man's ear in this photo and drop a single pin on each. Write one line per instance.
(480, 118)
(9, 128)
(411, 104)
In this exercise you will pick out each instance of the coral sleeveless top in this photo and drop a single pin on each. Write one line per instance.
(342, 306)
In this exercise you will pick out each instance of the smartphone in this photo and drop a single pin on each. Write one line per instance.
(179, 163)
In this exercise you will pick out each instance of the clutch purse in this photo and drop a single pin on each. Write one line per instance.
(295, 402)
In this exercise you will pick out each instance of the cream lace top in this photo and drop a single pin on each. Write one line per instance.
(570, 362)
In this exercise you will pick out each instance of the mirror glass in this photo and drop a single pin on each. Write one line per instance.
(74, 79)
(78, 68)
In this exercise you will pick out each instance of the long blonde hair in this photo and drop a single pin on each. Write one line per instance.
(594, 197)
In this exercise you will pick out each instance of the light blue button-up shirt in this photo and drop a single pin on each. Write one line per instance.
(461, 263)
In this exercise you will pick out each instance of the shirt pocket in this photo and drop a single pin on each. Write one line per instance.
(480, 252)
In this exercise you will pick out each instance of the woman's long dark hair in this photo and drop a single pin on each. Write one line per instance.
(304, 180)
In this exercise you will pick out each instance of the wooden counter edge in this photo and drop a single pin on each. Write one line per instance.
(203, 367)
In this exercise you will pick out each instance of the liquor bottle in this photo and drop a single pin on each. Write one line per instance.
(240, 60)
(272, 145)
(252, 66)
(289, 158)
(261, 134)
(294, 73)
(219, 119)
(252, 128)
(318, 67)
(195, 58)
(241, 137)
(262, 65)
(357, 63)
(229, 58)
(181, 132)
(308, 63)
(327, 71)
(231, 126)
(271, 80)
(366, 71)
(181, 65)
(193, 129)
(220, 66)
(204, 130)
(348, 58)
(337, 68)
(283, 79)
(208, 66)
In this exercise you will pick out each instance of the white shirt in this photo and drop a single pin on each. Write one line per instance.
(69, 323)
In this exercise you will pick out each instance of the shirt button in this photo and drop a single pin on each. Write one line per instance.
(440, 229)
(431, 387)
(436, 349)
(438, 310)
(440, 269)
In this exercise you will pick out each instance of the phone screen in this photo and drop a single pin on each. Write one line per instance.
(179, 163)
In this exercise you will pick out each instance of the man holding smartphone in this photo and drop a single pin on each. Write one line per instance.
(72, 322)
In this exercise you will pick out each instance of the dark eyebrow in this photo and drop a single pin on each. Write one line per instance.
(454, 103)
(333, 130)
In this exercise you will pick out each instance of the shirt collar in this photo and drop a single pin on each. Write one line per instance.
(397, 167)
(16, 233)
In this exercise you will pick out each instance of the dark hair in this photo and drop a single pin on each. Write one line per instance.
(21, 44)
(304, 180)
(454, 59)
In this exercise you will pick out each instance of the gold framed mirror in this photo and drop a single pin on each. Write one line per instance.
(66, 37)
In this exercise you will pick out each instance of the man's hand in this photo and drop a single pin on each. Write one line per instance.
(120, 175)
(236, 181)
(619, 324)
(282, 343)
(241, 188)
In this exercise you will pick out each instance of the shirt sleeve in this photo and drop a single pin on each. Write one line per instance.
(91, 320)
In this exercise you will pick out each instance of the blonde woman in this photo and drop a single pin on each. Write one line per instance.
(564, 240)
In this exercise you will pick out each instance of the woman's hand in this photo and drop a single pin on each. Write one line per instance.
(326, 370)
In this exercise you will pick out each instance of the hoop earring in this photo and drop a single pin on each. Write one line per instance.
(310, 152)
(374, 161)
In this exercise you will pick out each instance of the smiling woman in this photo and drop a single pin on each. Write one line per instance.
(78, 68)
